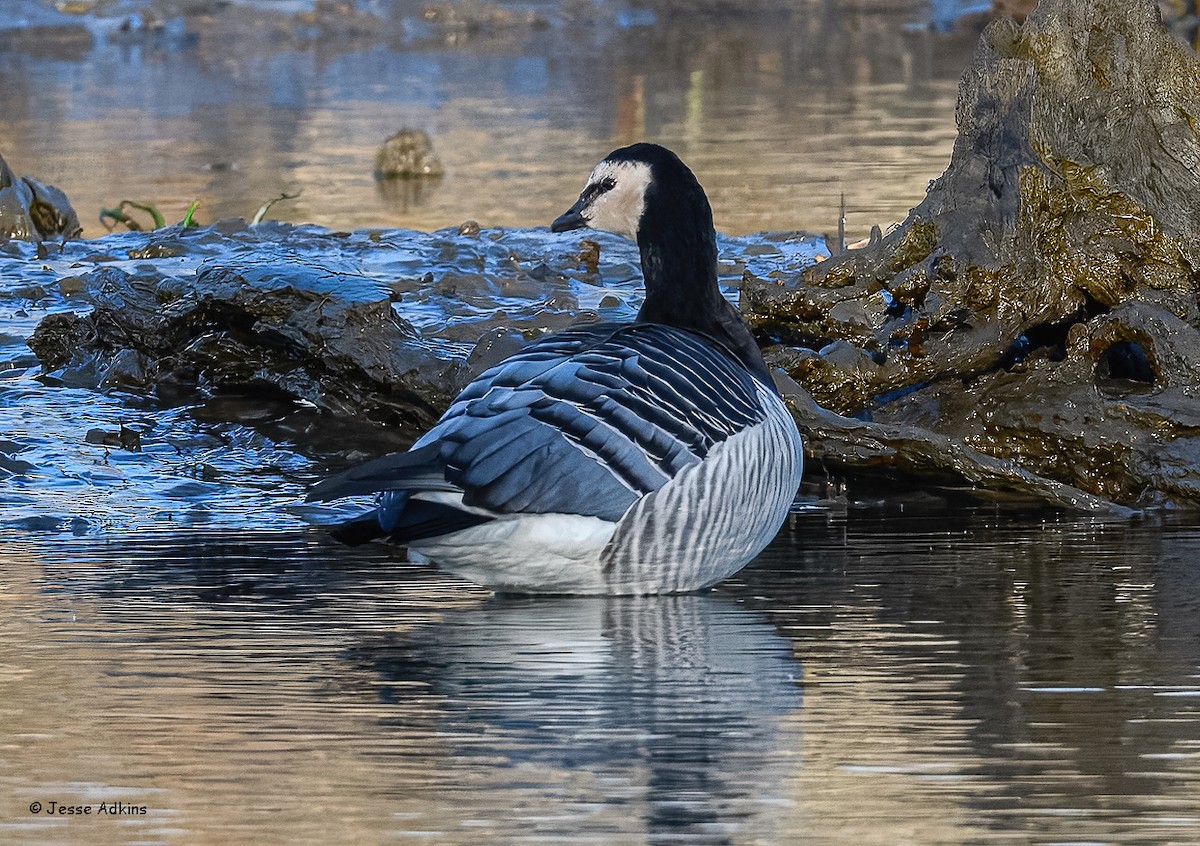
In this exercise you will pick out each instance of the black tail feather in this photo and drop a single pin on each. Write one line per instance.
(415, 470)
(358, 531)
(422, 519)
(419, 519)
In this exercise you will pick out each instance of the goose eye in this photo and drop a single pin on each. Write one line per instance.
(597, 188)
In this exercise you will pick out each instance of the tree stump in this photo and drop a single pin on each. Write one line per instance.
(1041, 304)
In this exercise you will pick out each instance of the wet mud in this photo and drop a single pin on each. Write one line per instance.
(195, 372)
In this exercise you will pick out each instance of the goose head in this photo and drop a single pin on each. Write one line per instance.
(613, 199)
(646, 193)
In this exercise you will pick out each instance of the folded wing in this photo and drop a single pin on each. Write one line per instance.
(586, 421)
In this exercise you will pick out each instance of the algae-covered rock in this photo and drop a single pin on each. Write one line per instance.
(31, 210)
(1066, 223)
(313, 333)
(408, 154)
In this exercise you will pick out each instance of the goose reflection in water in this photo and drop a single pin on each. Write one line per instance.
(683, 701)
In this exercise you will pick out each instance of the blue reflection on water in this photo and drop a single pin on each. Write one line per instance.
(684, 696)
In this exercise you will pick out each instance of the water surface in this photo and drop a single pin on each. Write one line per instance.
(872, 678)
(176, 637)
(780, 111)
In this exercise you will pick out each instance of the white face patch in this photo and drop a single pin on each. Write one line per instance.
(619, 196)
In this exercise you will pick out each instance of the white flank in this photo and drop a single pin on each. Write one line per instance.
(528, 553)
(713, 517)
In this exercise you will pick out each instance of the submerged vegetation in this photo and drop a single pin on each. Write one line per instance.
(111, 218)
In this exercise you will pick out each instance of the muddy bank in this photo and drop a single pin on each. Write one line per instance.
(1040, 306)
(192, 374)
(384, 324)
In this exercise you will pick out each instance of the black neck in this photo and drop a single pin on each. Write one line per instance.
(680, 269)
(681, 280)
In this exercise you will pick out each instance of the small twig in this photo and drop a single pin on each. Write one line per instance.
(265, 207)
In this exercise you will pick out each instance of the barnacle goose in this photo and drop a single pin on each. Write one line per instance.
(609, 458)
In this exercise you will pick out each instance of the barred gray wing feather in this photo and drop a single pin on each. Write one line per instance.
(590, 420)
